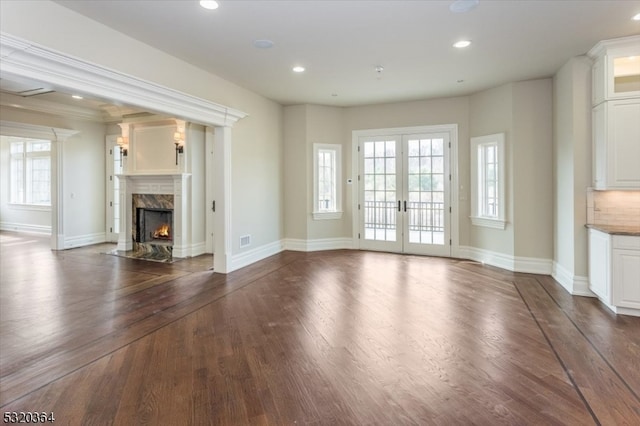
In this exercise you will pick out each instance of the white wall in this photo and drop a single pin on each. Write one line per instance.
(523, 111)
(325, 125)
(533, 168)
(296, 170)
(572, 169)
(491, 111)
(195, 156)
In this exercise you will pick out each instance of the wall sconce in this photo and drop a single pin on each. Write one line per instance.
(178, 140)
(123, 143)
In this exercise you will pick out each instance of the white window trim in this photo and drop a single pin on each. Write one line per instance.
(337, 213)
(477, 218)
(24, 156)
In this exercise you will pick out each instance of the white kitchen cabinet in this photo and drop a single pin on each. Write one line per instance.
(614, 271)
(616, 144)
(626, 271)
(616, 69)
(600, 265)
(616, 113)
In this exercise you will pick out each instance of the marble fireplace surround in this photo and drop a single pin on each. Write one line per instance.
(174, 185)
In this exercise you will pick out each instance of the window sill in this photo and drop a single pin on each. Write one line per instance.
(32, 207)
(489, 222)
(327, 215)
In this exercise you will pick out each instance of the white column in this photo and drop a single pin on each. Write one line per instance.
(222, 192)
(125, 241)
(181, 202)
(209, 168)
(57, 187)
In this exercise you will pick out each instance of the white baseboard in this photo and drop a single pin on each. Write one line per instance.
(530, 265)
(85, 240)
(24, 227)
(248, 257)
(575, 285)
(318, 245)
(193, 250)
(197, 249)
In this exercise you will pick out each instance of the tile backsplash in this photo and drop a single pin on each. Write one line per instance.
(613, 207)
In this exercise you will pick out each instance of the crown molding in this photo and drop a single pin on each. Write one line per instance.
(630, 42)
(21, 58)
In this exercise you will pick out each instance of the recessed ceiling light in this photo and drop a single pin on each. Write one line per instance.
(77, 97)
(298, 69)
(636, 17)
(462, 43)
(461, 6)
(460, 81)
(209, 4)
(263, 44)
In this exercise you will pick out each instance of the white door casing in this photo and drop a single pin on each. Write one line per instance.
(405, 195)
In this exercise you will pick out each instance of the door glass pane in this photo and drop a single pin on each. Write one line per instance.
(425, 208)
(380, 199)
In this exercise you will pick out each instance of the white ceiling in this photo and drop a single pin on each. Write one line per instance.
(341, 42)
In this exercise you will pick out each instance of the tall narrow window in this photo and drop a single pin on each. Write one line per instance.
(30, 165)
(327, 203)
(488, 181)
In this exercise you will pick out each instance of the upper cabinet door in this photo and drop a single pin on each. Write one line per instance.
(616, 144)
(616, 69)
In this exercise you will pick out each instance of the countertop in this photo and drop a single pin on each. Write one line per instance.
(617, 229)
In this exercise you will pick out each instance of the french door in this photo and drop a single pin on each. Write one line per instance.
(404, 202)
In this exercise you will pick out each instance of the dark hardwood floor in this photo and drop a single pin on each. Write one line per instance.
(337, 337)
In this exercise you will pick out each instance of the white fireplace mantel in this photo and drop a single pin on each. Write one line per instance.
(170, 184)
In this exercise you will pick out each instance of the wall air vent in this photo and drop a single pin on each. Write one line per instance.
(245, 241)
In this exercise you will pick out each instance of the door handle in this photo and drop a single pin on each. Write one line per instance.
(213, 206)
(405, 205)
(399, 205)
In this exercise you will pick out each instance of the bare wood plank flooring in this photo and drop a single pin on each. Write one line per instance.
(337, 337)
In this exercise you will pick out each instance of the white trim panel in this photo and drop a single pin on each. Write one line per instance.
(248, 257)
(318, 244)
(529, 265)
(85, 240)
(26, 228)
(575, 285)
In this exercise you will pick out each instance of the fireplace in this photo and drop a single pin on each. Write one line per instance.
(154, 225)
(161, 194)
(153, 230)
